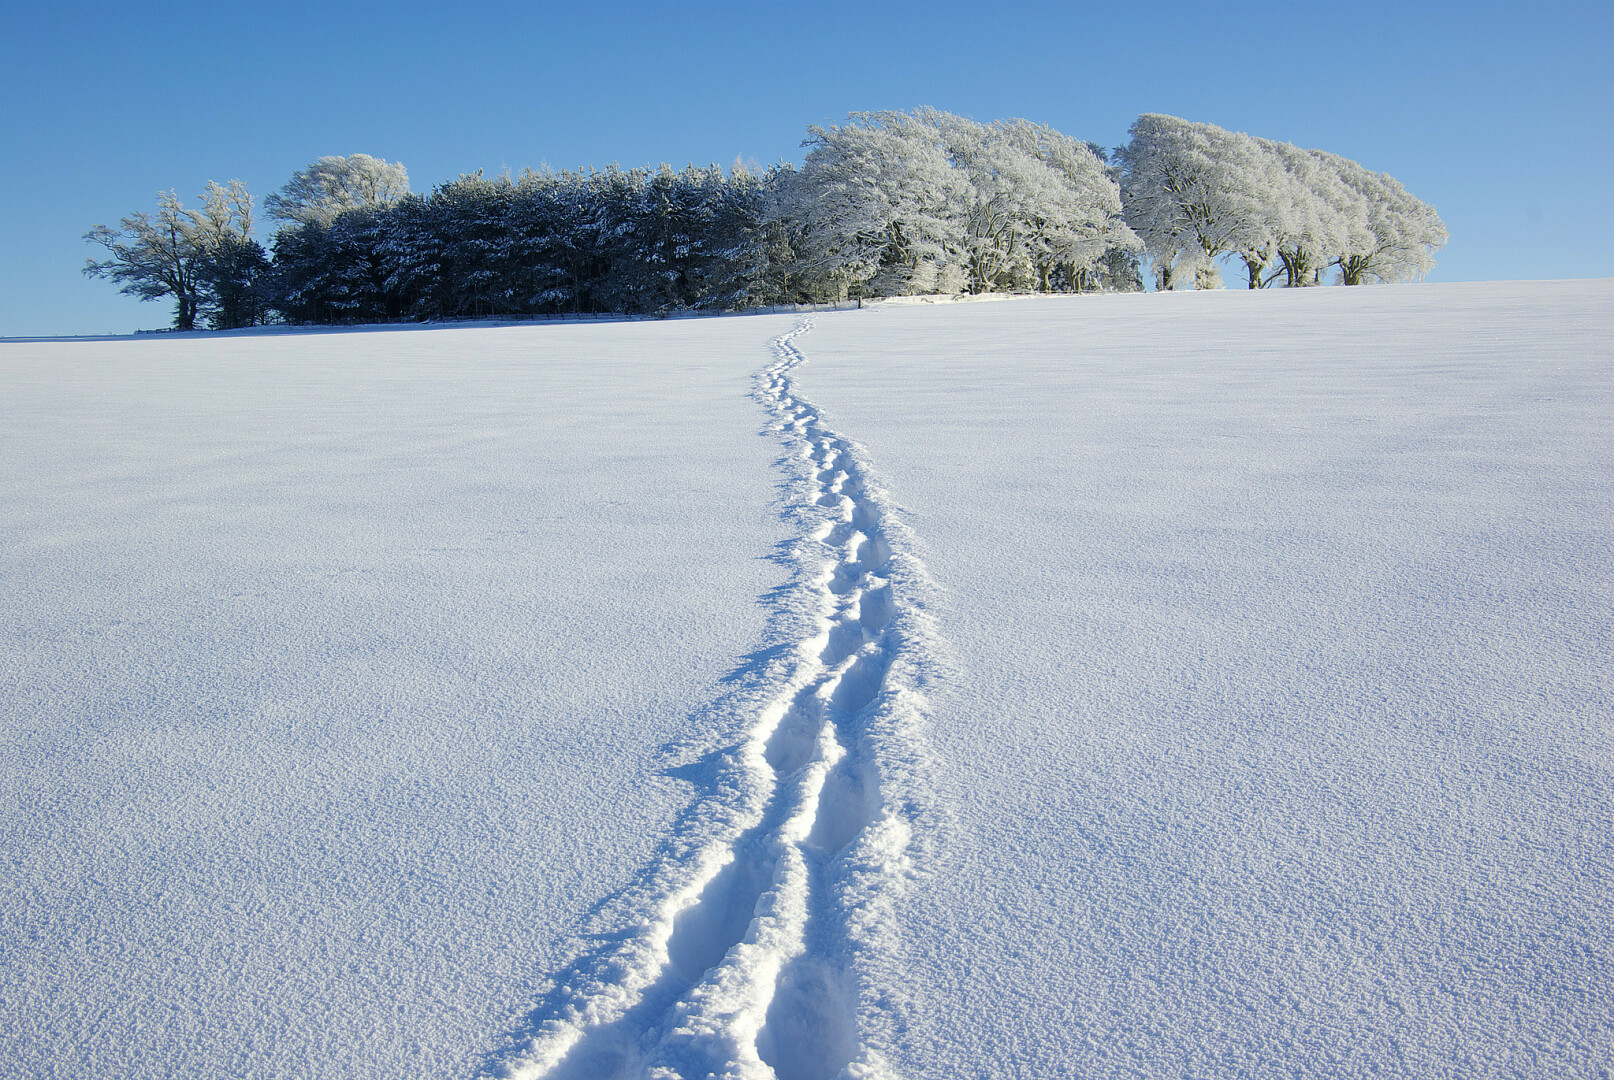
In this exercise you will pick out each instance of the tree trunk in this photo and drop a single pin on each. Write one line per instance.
(1297, 269)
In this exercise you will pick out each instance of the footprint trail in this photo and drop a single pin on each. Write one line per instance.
(755, 949)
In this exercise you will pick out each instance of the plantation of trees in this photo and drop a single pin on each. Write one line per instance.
(887, 204)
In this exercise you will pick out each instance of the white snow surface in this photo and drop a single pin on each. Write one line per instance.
(1282, 740)
(337, 672)
(1194, 684)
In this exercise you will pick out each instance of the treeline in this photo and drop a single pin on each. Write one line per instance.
(632, 241)
(887, 204)
(1195, 193)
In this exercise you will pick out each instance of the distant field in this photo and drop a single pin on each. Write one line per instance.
(1195, 684)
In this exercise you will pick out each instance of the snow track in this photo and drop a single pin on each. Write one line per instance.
(750, 951)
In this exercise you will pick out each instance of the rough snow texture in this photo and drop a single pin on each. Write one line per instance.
(554, 701)
(1284, 740)
(335, 676)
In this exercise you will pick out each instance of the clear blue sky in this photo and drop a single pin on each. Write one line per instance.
(1498, 114)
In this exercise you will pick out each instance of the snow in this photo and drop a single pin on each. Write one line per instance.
(1170, 684)
(337, 671)
(1282, 742)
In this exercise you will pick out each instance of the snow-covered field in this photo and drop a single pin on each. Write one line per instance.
(1204, 684)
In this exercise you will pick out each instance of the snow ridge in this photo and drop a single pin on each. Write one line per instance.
(752, 952)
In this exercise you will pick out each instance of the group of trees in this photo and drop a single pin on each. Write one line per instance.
(889, 203)
(205, 259)
(620, 240)
(1195, 193)
(905, 203)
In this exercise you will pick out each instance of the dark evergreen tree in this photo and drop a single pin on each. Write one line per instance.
(234, 283)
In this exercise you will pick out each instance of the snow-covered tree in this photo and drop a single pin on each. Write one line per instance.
(740, 241)
(877, 205)
(468, 225)
(787, 273)
(153, 258)
(1402, 233)
(1117, 270)
(547, 261)
(1080, 221)
(1034, 202)
(894, 203)
(1194, 192)
(187, 254)
(666, 239)
(889, 203)
(337, 274)
(1004, 195)
(317, 194)
(1318, 217)
(1270, 188)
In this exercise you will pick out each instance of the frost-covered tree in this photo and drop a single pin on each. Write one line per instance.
(1319, 218)
(153, 257)
(788, 273)
(667, 239)
(468, 223)
(895, 203)
(1080, 223)
(887, 204)
(1194, 192)
(627, 240)
(189, 255)
(559, 228)
(1271, 188)
(1117, 270)
(234, 267)
(1401, 233)
(332, 185)
(1037, 205)
(877, 205)
(1005, 194)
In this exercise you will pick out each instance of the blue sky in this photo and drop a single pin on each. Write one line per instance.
(1500, 115)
